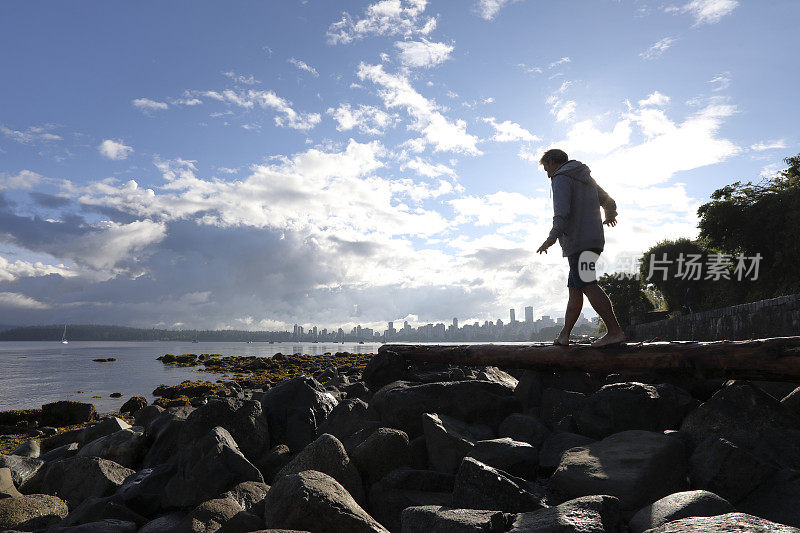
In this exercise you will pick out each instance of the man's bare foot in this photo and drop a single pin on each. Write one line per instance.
(609, 339)
(562, 340)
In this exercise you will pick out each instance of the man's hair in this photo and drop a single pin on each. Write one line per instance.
(555, 156)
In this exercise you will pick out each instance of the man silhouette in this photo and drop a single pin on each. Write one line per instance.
(577, 226)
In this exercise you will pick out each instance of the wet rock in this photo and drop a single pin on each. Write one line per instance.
(623, 406)
(385, 450)
(725, 523)
(401, 404)
(327, 455)
(554, 447)
(517, 458)
(638, 467)
(737, 413)
(479, 486)
(677, 506)
(448, 440)
(209, 467)
(314, 501)
(29, 448)
(125, 447)
(78, 478)
(524, 428)
(242, 419)
(348, 417)
(719, 466)
(588, 514)
(295, 409)
(22, 468)
(384, 368)
(776, 498)
(7, 487)
(558, 404)
(428, 518)
(272, 461)
(67, 413)
(133, 404)
(209, 516)
(106, 426)
(31, 513)
(406, 487)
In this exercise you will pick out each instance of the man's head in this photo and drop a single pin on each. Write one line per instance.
(552, 159)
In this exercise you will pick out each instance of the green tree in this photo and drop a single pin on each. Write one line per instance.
(627, 295)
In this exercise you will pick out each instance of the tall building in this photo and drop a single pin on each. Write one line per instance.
(511, 313)
(455, 323)
(529, 315)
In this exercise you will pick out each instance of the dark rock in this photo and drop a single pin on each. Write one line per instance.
(357, 390)
(29, 448)
(572, 380)
(554, 447)
(557, 404)
(209, 467)
(776, 498)
(791, 402)
(448, 440)
(384, 368)
(588, 514)
(737, 413)
(677, 506)
(147, 414)
(242, 521)
(479, 486)
(401, 405)
(354, 440)
(166, 434)
(492, 373)
(163, 524)
(719, 466)
(529, 390)
(115, 395)
(209, 516)
(62, 452)
(524, 428)
(249, 495)
(34, 512)
(98, 509)
(327, 455)
(133, 404)
(22, 468)
(61, 439)
(346, 418)
(638, 467)
(314, 501)
(271, 462)
(141, 492)
(419, 453)
(385, 450)
(429, 518)
(726, 523)
(295, 409)
(78, 478)
(67, 413)
(242, 419)
(623, 406)
(104, 427)
(776, 389)
(7, 487)
(779, 446)
(109, 525)
(517, 458)
(125, 447)
(405, 487)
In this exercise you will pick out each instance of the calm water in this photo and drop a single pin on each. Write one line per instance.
(40, 372)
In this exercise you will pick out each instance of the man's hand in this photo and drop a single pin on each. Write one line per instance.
(545, 245)
(610, 221)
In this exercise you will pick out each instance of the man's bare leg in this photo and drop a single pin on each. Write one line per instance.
(574, 306)
(601, 304)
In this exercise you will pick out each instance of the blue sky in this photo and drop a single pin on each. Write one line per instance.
(256, 164)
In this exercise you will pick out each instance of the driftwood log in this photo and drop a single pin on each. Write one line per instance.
(776, 359)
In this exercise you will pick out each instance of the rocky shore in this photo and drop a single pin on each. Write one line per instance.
(357, 443)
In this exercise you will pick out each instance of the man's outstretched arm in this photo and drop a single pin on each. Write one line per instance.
(561, 201)
(609, 207)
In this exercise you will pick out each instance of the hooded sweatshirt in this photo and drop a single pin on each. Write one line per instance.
(577, 199)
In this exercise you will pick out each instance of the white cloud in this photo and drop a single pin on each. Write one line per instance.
(563, 110)
(25, 179)
(115, 150)
(396, 91)
(561, 61)
(147, 105)
(768, 145)
(709, 11)
(240, 78)
(423, 53)
(302, 65)
(720, 82)
(655, 99)
(586, 137)
(429, 170)
(529, 69)
(658, 48)
(31, 134)
(287, 117)
(488, 9)
(368, 119)
(508, 131)
(385, 17)
(23, 269)
(21, 301)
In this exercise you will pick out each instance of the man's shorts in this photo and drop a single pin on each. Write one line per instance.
(582, 268)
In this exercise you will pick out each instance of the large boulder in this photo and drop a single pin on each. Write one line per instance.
(142, 491)
(108, 525)
(401, 404)
(588, 514)
(558, 404)
(448, 440)
(554, 447)
(348, 417)
(106, 426)
(67, 413)
(517, 458)
(314, 501)
(31, 513)
(492, 373)
(97, 509)
(78, 478)
(22, 468)
(295, 409)
(29, 448)
(209, 516)
(776, 498)
(166, 437)
(524, 428)
(385, 450)
(726, 523)
(405, 487)
(623, 406)
(7, 487)
(738, 413)
(164, 524)
(242, 419)
(207, 468)
(428, 518)
(249, 495)
(677, 506)
(529, 390)
(384, 367)
(327, 455)
(719, 466)
(270, 463)
(125, 447)
(636, 466)
(133, 404)
(479, 486)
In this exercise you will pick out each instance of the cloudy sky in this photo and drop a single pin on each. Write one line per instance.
(256, 164)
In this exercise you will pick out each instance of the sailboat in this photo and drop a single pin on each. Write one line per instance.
(64, 336)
